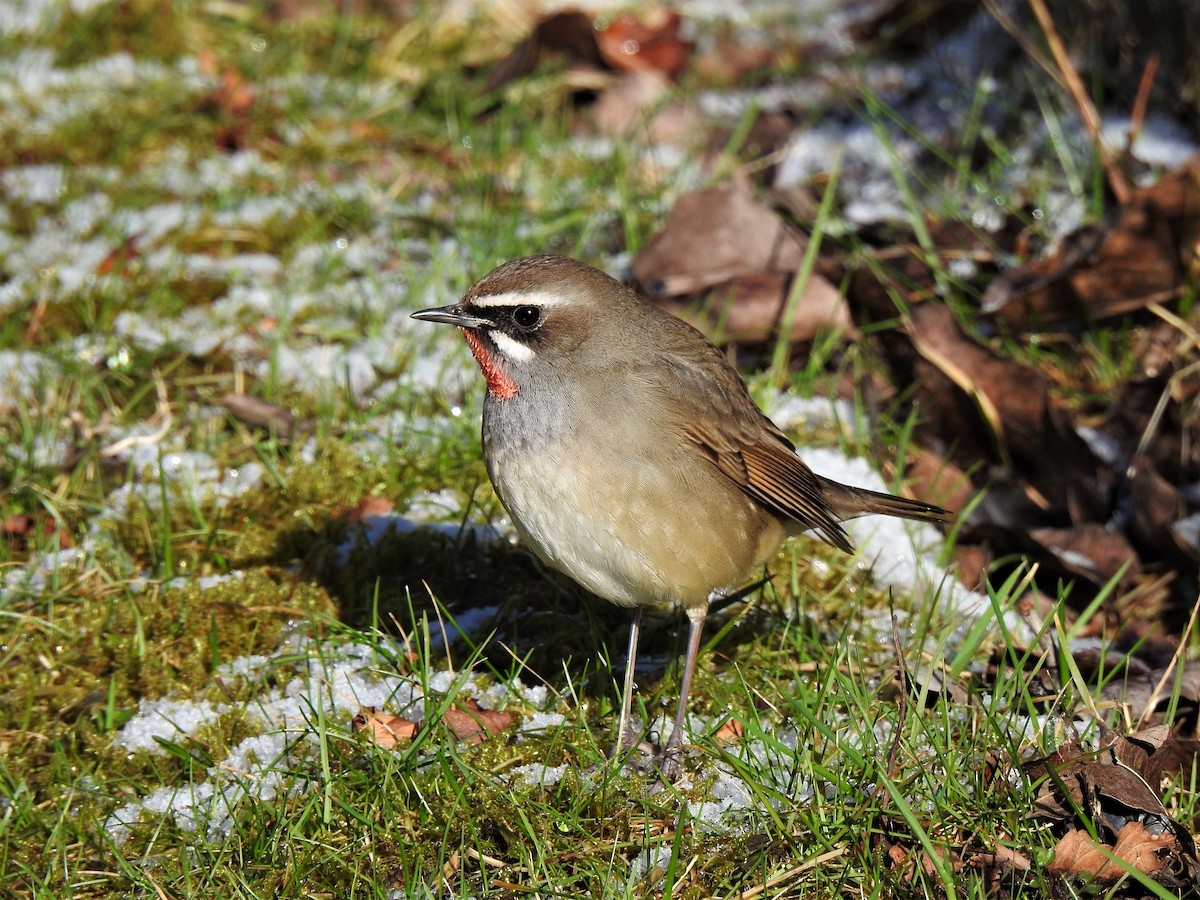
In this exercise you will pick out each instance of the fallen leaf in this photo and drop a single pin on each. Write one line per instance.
(750, 309)
(731, 58)
(1122, 809)
(367, 507)
(566, 35)
(731, 731)
(1002, 858)
(18, 529)
(119, 260)
(1157, 506)
(711, 237)
(1077, 855)
(260, 414)
(1001, 412)
(650, 42)
(1089, 551)
(623, 106)
(1145, 256)
(1158, 754)
(17, 526)
(472, 723)
(934, 479)
(382, 728)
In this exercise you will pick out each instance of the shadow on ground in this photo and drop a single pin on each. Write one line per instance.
(391, 577)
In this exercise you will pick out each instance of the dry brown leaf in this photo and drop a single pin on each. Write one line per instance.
(934, 479)
(1090, 551)
(1106, 788)
(750, 308)
(1146, 256)
(1002, 858)
(972, 563)
(1157, 507)
(1077, 855)
(369, 507)
(259, 413)
(731, 731)
(726, 263)
(119, 260)
(907, 859)
(624, 105)
(1001, 411)
(17, 530)
(383, 728)
(566, 35)
(650, 42)
(711, 237)
(1157, 754)
(473, 724)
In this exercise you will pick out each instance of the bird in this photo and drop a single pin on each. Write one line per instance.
(630, 456)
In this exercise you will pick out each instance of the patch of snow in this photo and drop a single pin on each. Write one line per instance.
(537, 775)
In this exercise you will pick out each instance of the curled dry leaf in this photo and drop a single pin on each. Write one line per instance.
(383, 728)
(1089, 551)
(1157, 754)
(750, 309)
(1111, 789)
(565, 35)
(1001, 860)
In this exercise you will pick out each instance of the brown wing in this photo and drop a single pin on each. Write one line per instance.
(704, 398)
(777, 478)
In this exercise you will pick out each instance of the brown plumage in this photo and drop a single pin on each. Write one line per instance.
(629, 453)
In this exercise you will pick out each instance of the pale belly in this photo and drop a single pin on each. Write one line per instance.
(648, 537)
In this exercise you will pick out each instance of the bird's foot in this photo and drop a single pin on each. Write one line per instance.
(631, 749)
(642, 755)
(670, 765)
(629, 739)
(670, 759)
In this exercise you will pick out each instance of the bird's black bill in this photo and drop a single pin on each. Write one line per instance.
(451, 315)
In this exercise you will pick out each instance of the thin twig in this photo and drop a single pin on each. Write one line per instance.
(162, 410)
(1138, 117)
(1170, 669)
(1087, 109)
(789, 874)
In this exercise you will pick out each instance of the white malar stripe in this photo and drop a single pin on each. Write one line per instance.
(518, 298)
(510, 347)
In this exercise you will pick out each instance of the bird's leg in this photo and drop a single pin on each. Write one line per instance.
(673, 752)
(627, 738)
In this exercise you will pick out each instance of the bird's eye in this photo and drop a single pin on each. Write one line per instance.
(527, 316)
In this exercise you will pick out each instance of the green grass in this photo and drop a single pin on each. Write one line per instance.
(387, 183)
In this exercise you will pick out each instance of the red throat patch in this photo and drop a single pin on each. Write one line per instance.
(500, 384)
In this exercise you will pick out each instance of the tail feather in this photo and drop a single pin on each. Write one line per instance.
(847, 502)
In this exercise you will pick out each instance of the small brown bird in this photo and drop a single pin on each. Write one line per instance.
(629, 454)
